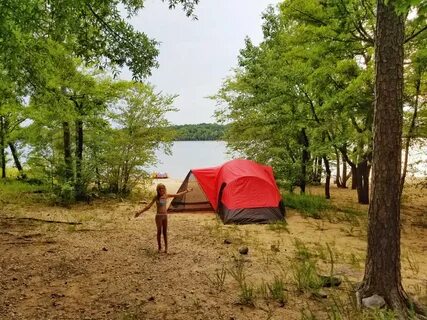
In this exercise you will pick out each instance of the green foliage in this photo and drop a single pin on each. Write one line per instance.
(96, 31)
(51, 62)
(199, 132)
(66, 194)
(308, 205)
(141, 129)
(307, 89)
(297, 96)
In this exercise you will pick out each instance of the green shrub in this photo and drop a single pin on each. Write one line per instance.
(67, 194)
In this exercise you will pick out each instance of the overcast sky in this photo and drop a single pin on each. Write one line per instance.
(196, 55)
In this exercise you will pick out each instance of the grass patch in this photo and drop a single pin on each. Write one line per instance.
(278, 226)
(308, 205)
(17, 191)
(217, 280)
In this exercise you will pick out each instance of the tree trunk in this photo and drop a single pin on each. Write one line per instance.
(18, 165)
(410, 135)
(362, 172)
(328, 178)
(344, 175)
(3, 147)
(382, 269)
(338, 178)
(353, 177)
(305, 160)
(317, 171)
(80, 192)
(67, 152)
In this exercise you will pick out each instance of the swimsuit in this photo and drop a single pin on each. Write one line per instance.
(161, 204)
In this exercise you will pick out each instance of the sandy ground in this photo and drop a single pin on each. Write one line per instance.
(107, 267)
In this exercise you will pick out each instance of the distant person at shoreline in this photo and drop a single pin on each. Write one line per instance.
(161, 216)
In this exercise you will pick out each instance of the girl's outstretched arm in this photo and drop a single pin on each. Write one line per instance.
(148, 206)
(180, 193)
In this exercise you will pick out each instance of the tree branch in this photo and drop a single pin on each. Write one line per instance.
(415, 34)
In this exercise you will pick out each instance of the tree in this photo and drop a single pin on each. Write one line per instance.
(302, 93)
(382, 271)
(140, 129)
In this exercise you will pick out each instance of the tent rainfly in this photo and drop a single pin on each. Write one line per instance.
(240, 191)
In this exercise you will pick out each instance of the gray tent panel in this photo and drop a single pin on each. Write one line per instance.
(195, 200)
(251, 215)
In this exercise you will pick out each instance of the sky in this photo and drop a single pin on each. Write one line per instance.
(197, 55)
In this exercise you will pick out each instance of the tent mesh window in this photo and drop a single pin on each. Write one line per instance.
(195, 200)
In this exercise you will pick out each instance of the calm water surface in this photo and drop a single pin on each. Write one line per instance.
(187, 155)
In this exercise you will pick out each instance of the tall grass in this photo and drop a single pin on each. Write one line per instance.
(308, 205)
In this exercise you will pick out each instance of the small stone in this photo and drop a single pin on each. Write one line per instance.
(227, 241)
(244, 250)
(373, 302)
(320, 294)
(104, 249)
(151, 298)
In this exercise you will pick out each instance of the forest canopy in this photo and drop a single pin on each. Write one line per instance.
(199, 132)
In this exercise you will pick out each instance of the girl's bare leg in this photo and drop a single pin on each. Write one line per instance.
(165, 233)
(159, 232)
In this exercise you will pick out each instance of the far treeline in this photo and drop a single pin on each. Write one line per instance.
(199, 132)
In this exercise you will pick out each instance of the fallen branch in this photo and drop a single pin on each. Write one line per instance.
(43, 220)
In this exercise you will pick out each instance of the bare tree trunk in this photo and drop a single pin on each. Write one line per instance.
(353, 177)
(80, 192)
(67, 152)
(362, 172)
(344, 175)
(382, 270)
(338, 178)
(3, 146)
(16, 160)
(410, 135)
(305, 160)
(328, 178)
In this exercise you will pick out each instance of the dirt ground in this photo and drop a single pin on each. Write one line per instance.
(107, 267)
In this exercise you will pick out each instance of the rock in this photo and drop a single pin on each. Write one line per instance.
(373, 302)
(227, 241)
(104, 249)
(243, 250)
(151, 298)
(320, 294)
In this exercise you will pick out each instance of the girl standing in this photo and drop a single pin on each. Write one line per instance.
(161, 216)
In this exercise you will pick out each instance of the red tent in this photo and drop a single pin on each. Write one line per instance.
(241, 191)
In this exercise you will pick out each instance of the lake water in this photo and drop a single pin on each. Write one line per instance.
(187, 155)
(200, 154)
